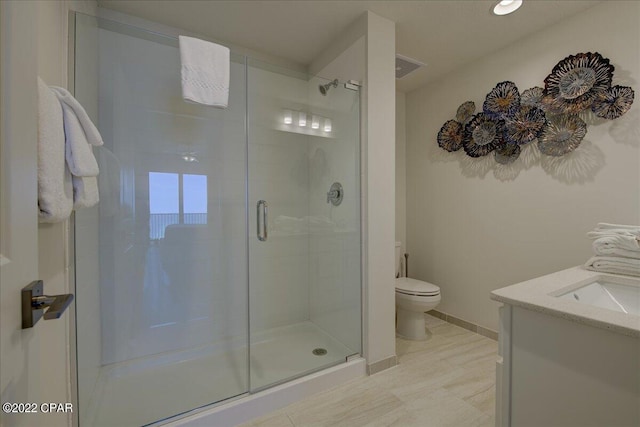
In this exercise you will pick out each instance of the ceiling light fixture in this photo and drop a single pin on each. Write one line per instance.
(288, 117)
(506, 7)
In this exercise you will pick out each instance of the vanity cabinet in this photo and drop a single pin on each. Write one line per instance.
(555, 371)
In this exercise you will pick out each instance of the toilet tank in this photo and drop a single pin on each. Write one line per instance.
(398, 255)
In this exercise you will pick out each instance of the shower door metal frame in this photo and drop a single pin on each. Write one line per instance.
(73, 343)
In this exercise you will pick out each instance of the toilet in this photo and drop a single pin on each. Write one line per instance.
(413, 298)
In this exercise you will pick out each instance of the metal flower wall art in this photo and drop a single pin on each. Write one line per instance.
(510, 120)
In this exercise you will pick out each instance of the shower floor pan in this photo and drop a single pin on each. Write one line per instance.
(148, 390)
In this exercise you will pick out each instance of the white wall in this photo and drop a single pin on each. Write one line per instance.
(379, 170)
(401, 170)
(20, 350)
(474, 226)
(349, 64)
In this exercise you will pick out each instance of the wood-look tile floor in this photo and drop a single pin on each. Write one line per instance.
(447, 380)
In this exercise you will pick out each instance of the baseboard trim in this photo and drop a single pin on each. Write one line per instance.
(382, 365)
(465, 324)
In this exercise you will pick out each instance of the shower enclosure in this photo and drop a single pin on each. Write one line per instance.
(224, 255)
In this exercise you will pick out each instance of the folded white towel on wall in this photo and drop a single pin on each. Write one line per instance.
(616, 265)
(55, 190)
(606, 226)
(85, 192)
(604, 229)
(90, 130)
(621, 245)
(616, 232)
(205, 72)
(78, 152)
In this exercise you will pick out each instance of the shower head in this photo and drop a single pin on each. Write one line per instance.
(325, 88)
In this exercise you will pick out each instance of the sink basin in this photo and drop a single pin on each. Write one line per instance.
(621, 295)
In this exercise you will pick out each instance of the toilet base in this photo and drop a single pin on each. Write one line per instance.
(411, 325)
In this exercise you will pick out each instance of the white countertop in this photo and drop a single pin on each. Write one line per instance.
(535, 294)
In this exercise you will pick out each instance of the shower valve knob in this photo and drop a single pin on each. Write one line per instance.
(335, 194)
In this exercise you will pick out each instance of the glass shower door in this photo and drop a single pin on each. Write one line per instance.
(161, 262)
(304, 249)
(193, 209)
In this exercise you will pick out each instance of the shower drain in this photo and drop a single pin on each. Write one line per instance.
(319, 351)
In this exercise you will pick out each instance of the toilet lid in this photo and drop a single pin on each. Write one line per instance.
(406, 285)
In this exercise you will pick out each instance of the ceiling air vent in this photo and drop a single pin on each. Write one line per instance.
(405, 66)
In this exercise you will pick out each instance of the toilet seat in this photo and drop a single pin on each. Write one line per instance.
(418, 294)
(408, 286)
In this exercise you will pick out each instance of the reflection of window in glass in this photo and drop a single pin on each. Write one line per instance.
(176, 199)
(194, 199)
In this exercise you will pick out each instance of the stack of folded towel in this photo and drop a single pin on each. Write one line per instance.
(67, 168)
(616, 248)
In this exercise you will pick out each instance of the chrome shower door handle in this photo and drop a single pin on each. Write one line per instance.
(262, 236)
